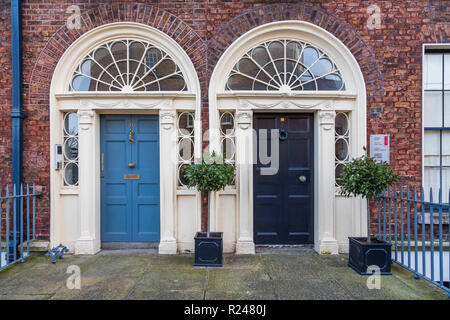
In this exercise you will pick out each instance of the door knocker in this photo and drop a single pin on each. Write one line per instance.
(130, 136)
(283, 135)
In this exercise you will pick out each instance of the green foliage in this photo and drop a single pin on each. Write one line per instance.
(365, 177)
(210, 173)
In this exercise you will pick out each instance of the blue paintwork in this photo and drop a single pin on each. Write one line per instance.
(130, 209)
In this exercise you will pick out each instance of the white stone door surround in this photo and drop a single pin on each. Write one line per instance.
(324, 105)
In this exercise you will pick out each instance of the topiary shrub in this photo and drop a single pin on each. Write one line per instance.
(211, 173)
(367, 178)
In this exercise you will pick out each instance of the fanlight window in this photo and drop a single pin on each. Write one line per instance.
(285, 65)
(127, 66)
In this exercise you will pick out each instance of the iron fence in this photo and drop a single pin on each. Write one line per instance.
(418, 231)
(17, 223)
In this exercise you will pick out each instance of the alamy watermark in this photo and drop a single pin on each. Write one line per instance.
(73, 22)
(374, 280)
(74, 280)
(374, 20)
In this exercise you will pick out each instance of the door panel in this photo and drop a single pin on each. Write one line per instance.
(283, 205)
(130, 208)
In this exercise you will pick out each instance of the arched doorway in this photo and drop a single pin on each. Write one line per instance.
(124, 110)
(297, 78)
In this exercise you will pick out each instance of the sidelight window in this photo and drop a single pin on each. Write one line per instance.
(342, 144)
(70, 149)
(227, 136)
(185, 144)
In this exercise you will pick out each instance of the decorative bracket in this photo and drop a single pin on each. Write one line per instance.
(244, 119)
(326, 119)
(167, 119)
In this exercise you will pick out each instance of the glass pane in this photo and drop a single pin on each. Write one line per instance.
(310, 55)
(432, 109)
(447, 109)
(247, 66)
(431, 148)
(182, 181)
(238, 82)
(431, 179)
(136, 50)
(293, 50)
(445, 184)
(432, 142)
(165, 68)
(103, 57)
(445, 148)
(119, 51)
(71, 148)
(186, 123)
(174, 83)
(226, 123)
(447, 71)
(276, 49)
(330, 82)
(432, 72)
(81, 83)
(228, 148)
(323, 66)
(341, 124)
(71, 124)
(71, 174)
(186, 149)
(338, 173)
(260, 55)
(341, 149)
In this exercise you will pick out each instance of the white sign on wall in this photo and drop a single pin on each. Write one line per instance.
(379, 147)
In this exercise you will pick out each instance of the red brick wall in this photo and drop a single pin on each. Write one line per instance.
(390, 59)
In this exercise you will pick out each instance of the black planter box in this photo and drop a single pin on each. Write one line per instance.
(363, 254)
(208, 250)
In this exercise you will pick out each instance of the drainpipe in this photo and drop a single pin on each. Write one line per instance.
(17, 114)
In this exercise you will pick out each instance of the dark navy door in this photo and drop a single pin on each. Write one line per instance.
(129, 168)
(283, 211)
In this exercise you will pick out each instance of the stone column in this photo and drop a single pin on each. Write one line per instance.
(326, 242)
(168, 153)
(89, 241)
(244, 147)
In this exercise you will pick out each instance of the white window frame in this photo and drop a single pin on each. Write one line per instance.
(425, 47)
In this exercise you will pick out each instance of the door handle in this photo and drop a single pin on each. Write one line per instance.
(131, 165)
(302, 179)
(101, 160)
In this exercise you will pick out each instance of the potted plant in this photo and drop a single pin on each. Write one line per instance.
(211, 173)
(367, 178)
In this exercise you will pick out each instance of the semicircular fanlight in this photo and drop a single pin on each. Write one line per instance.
(127, 66)
(285, 65)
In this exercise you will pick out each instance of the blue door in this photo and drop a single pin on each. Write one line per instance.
(129, 166)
